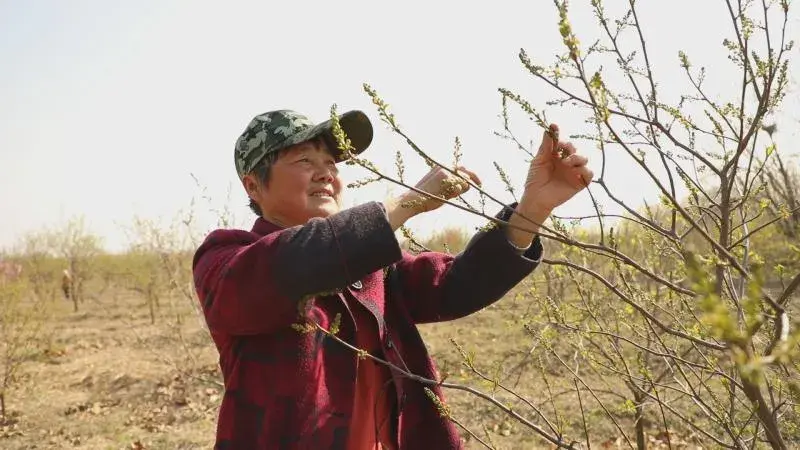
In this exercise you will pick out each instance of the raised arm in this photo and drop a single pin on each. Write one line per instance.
(438, 287)
(249, 284)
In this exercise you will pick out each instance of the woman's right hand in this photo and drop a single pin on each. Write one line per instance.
(439, 183)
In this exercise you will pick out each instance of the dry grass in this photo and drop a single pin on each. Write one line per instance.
(107, 382)
(504, 351)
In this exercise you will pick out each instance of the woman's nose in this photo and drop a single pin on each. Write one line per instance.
(324, 174)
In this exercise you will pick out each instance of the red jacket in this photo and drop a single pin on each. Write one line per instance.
(286, 389)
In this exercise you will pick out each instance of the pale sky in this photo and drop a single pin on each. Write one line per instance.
(106, 108)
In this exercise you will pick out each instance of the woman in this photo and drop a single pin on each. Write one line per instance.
(308, 264)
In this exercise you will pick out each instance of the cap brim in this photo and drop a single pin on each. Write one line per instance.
(356, 126)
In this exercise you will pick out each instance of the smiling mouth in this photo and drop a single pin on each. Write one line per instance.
(322, 194)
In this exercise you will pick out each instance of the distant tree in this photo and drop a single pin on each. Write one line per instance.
(781, 193)
(22, 319)
(449, 240)
(78, 247)
(37, 254)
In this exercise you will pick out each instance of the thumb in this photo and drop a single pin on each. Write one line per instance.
(549, 141)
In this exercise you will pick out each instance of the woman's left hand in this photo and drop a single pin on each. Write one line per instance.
(556, 173)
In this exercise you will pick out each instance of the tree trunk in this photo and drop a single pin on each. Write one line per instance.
(765, 416)
(641, 443)
(151, 304)
(74, 297)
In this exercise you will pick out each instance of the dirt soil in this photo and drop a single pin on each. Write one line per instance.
(112, 380)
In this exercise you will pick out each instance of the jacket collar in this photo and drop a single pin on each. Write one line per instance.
(263, 227)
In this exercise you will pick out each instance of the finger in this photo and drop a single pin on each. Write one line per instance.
(585, 175)
(566, 149)
(453, 186)
(575, 160)
(549, 140)
(470, 174)
(463, 181)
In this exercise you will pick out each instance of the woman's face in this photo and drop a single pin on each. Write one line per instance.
(304, 183)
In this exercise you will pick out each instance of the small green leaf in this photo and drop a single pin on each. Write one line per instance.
(771, 149)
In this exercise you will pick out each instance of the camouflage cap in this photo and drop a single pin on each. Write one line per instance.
(275, 130)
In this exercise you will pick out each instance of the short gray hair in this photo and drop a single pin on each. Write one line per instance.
(262, 172)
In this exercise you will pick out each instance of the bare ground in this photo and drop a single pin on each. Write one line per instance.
(109, 379)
